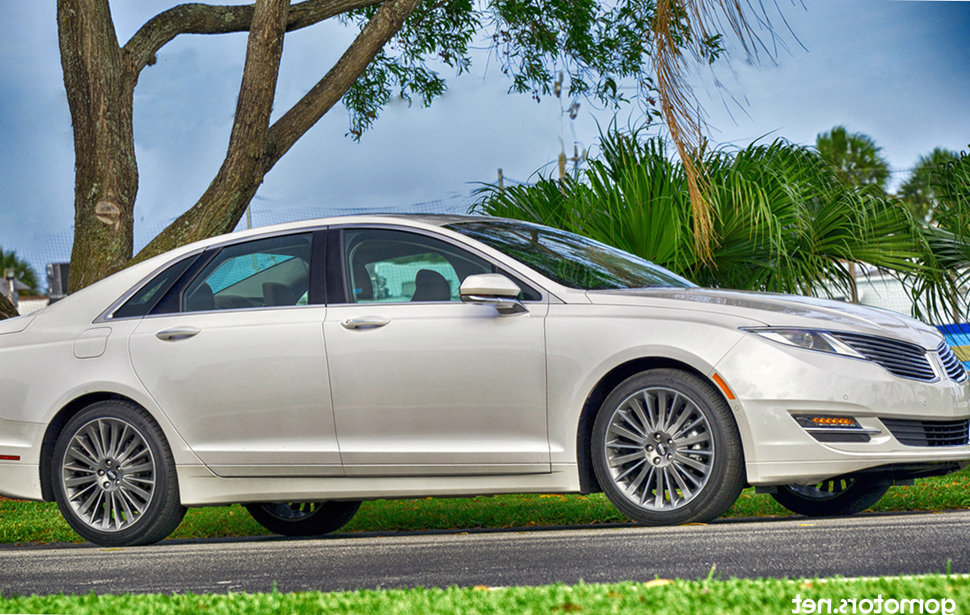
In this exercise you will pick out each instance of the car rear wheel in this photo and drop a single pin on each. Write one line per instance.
(303, 518)
(666, 449)
(114, 476)
(846, 495)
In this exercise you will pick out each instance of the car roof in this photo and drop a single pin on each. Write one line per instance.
(416, 220)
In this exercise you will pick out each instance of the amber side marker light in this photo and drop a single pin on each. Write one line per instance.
(833, 421)
(723, 386)
(9, 457)
(835, 428)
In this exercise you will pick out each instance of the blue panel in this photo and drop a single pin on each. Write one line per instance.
(958, 337)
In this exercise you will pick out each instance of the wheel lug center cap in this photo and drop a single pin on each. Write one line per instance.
(659, 450)
(109, 475)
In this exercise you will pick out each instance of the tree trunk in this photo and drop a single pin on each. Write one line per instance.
(100, 86)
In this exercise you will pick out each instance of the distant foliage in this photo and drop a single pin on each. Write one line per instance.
(854, 157)
(919, 191)
(22, 272)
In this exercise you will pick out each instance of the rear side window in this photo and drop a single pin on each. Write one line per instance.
(148, 296)
(263, 273)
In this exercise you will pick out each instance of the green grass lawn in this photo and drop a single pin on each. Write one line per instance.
(33, 522)
(22, 522)
(934, 594)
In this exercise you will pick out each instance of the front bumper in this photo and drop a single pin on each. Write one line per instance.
(774, 385)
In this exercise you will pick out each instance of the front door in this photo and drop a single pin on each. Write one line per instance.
(423, 384)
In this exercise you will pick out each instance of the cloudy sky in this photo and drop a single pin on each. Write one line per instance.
(898, 71)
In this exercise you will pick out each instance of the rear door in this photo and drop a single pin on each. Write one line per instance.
(240, 366)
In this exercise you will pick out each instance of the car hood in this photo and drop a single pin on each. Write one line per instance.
(776, 310)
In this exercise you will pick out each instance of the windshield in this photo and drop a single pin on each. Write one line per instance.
(570, 260)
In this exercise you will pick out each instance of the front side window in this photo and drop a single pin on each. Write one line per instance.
(263, 273)
(391, 266)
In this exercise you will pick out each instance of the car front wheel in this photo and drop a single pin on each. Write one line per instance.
(303, 518)
(846, 495)
(666, 449)
(114, 476)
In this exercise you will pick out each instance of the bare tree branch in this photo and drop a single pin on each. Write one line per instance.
(216, 19)
(222, 205)
(329, 90)
(241, 172)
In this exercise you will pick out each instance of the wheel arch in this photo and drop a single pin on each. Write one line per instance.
(56, 426)
(599, 393)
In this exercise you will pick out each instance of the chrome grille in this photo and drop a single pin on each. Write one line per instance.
(899, 358)
(929, 433)
(952, 365)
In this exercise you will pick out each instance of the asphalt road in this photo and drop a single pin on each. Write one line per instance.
(864, 545)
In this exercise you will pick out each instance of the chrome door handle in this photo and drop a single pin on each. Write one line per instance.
(364, 322)
(179, 333)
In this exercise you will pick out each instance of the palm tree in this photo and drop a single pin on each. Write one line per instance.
(782, 221)
(856, 162)
(854, 157)
(950, 237)
(918, 192)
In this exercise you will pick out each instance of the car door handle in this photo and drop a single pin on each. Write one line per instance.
(364, 322)
(179, 333)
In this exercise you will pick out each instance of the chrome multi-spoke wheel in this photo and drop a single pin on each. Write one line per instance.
(659, 448)
(844, 495)
(114, 477)
(303, 518)
(108, 474)
(666, 449)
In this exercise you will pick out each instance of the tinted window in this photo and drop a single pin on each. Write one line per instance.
(569, 259)
(148, 296)
(261, 273)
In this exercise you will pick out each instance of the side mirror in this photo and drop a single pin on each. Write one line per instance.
(492, 289)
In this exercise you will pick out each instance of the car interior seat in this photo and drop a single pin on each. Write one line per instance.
(275, 293)
(429, 285)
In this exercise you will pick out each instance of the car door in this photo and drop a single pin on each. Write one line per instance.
(422, 383)
(240, 366)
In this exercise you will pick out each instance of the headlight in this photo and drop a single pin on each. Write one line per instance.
(807, 339)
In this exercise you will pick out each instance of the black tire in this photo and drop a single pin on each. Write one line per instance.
(114, 476)
(303, 518)
(845, 495)
(668, 431)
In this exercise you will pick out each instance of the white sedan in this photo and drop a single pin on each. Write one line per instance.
(302, 368)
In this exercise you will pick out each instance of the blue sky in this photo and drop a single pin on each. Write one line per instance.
(895, 70)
